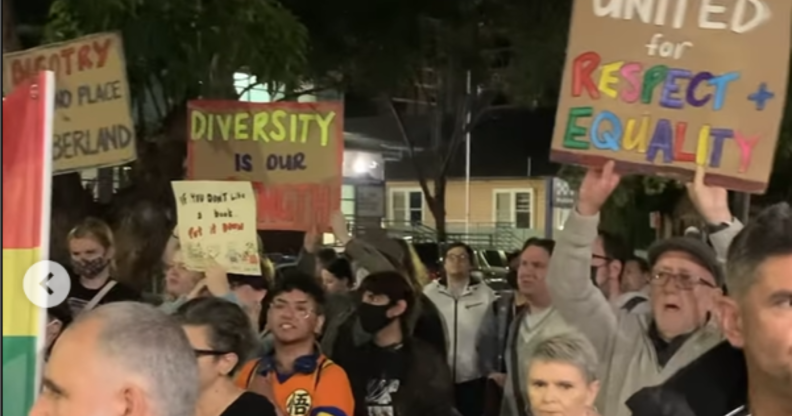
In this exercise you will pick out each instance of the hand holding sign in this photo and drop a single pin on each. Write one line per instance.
(597, 187)
(711, 202)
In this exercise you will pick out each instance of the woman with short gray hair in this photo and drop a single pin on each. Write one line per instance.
(562, 377)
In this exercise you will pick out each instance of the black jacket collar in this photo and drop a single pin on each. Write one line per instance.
(713, 385)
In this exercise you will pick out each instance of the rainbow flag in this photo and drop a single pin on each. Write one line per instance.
(27, 184)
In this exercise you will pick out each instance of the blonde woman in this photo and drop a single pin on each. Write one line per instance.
(562, 377)
(92, 249)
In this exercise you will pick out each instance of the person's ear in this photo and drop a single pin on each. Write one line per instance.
(260, 295)
(615, 269)
(731, 322)
(397, 309)
(111, 252)
(593, 391)
(131, 401)
(226, 364)
(320, 320)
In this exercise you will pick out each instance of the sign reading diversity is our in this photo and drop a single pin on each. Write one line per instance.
(664, 87)
(291, 152)
(93, 121)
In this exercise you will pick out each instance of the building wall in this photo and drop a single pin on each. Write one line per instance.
(482, 203)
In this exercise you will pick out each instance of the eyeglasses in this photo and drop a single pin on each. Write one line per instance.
(208, 353)
(683, 280)
(457, 257)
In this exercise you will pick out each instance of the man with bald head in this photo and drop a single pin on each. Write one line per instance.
(121, 359)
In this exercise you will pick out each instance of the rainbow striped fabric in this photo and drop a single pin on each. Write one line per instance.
(27, 170)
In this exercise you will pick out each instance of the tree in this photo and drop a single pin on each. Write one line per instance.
(418, 57)
(176, 51)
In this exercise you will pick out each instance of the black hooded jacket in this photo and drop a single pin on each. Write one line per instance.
(716, 384)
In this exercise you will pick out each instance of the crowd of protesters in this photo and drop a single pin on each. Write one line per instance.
(697, 328)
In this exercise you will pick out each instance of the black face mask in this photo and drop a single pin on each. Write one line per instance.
(90, 268)
(373, 317)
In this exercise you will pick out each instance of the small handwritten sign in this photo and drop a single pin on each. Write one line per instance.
(93, 119)
(292, 152)
(663, 87)
(217, 220)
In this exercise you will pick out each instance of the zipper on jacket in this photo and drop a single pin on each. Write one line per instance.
(456, 339)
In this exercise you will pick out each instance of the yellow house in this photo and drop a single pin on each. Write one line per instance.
(515, 206)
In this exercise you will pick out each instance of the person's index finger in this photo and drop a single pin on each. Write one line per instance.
(607, 170)
(698, 178)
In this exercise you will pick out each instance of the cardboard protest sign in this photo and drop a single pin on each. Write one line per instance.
(217, 220)
(93, 122)
(662, 87)
(292, 152)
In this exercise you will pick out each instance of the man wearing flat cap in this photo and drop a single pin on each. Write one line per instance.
(640, 350)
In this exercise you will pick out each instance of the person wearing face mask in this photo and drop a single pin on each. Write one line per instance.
(222, 338)
(394, 374)
(92, 250)
(639, 350)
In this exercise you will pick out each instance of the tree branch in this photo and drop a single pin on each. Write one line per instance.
(298, 94)
(458, 136)
(411, 149)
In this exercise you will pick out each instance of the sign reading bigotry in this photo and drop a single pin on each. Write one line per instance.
(664, 86)
(217, 221)
(93, 122)
(292, 152)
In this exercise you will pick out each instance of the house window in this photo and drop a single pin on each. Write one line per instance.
(514, 208)
(348, 200)
(406, 206)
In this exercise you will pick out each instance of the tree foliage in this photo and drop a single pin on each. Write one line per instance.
(176, 51)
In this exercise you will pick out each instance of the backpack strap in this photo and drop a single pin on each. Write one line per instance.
(99, 296)
(633, 303)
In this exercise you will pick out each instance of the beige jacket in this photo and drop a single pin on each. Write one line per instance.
(621, 338)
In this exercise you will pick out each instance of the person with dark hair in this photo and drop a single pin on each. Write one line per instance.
(58, 319)
(296, 376)
(751, 373)
(343, 330)
(608, 254)
(395, 373)
(639, 350)
(634, 286)
(513, 326)
(337, 276)
(222, 338)
(249, 293)
(462, 300)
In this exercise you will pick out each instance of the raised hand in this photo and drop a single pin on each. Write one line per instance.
(711, 202)
(338, 224)
(596, 188)
(216, 278)
(311, 240)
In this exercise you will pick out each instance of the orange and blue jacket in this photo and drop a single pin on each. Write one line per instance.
(325, 391)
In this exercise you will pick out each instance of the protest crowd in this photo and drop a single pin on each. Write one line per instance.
(698, 328)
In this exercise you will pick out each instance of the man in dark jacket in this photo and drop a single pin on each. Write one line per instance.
(755, 366)
(395, 374)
